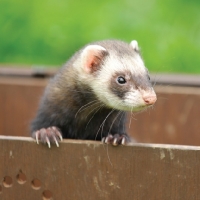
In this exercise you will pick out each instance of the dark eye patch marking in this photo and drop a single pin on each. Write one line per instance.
(120, 84)
(123, 82)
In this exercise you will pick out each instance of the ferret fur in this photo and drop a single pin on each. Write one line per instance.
(84, 99)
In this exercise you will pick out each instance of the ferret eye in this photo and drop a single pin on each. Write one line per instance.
(149, 77)
(121, 80)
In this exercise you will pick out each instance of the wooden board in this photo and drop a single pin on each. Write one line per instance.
(19, 100)
(174, 118)
(90, 170)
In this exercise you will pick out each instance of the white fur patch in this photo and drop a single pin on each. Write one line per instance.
(134, 45)
(134, 98)
(133, 64)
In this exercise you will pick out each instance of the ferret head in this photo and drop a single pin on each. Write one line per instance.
(117, 75)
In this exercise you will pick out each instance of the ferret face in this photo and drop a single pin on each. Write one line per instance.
(118, 76)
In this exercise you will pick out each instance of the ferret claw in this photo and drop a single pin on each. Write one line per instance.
(108, 139)
(57, 133)
(36, 137)
(116, 139)
(48, 135)
(48, 142)
(123, 141)
(56, 142)
(115, 142)
(60, 137)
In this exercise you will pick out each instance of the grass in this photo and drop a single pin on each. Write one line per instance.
(48, 32)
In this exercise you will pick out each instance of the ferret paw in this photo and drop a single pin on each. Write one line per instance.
(48, 135)
(116, 139)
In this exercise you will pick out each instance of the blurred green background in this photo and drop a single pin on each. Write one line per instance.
(48, 32)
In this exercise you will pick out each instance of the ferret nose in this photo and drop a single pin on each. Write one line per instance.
(150, 99)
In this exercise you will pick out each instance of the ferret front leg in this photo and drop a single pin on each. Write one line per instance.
(48, 135)
(116, 139)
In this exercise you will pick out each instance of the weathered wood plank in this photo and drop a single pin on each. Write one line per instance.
(91, 170)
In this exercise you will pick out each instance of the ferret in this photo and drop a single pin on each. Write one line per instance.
(90, 95)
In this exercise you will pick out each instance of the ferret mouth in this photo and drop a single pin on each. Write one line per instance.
(140, 108)
(146, 106)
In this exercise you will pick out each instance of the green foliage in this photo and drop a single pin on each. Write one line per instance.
(48, 32)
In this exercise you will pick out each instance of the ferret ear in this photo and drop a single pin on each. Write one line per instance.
(92, 57)
(134, 45)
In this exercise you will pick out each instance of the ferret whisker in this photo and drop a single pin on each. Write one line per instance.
(155, 81)
(120, 119)
(98, 108)
(141, 111)
(102, 130)
(123, 114)
(109, 156)
(119, 112)
(101, 105)
(130, 117)
(89, 106)
(154, 84)
(82, 107)
(104, 122)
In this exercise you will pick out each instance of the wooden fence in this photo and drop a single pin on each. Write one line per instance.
(90, 170)
(173, 120)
